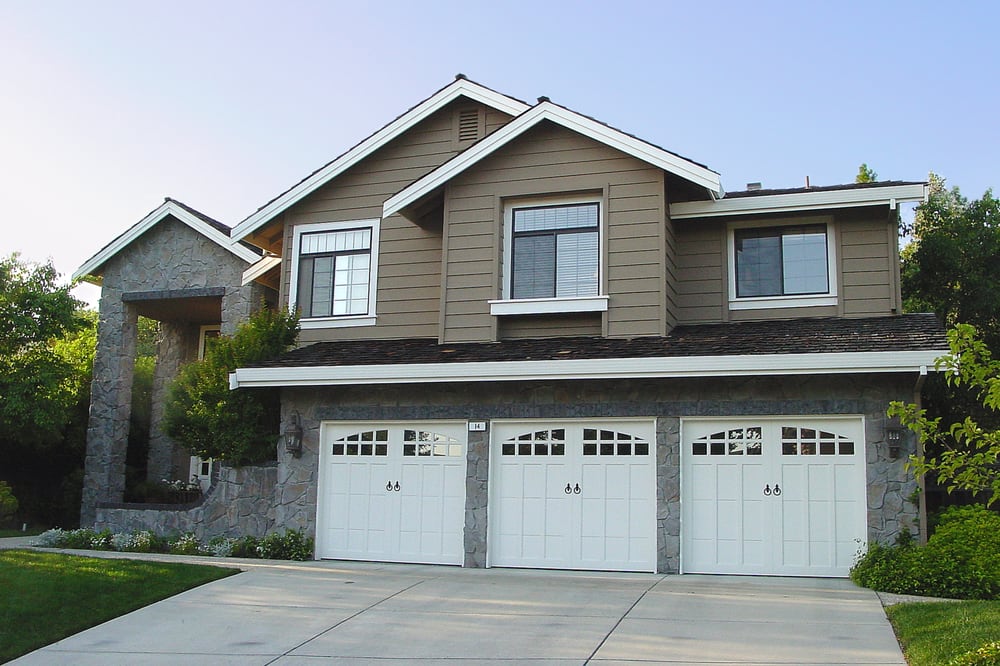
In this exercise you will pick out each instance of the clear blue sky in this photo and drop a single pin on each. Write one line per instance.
(109, 106)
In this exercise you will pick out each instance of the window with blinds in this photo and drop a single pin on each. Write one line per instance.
(555, 251)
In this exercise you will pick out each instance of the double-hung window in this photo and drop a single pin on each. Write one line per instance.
(555, 251)
(792, 263)
(334, 272)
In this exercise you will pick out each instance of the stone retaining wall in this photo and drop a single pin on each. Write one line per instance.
(241, 501)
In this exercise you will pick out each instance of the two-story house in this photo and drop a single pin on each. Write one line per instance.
(530, 339)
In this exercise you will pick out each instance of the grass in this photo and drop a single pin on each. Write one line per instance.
(935, 633)
(48, 596)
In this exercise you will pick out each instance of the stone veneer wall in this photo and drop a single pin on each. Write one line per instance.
(240, 502)
(289, 501)
(169, 257)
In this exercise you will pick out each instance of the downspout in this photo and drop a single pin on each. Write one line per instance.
(921, 482)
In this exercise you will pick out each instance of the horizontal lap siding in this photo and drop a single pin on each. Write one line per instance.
(867, 256)
(549, 160)
(700, 270)
(409, 275)
(514, 328)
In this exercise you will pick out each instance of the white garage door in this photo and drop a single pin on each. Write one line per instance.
(782, 496)
(573, 495)
(392, 492)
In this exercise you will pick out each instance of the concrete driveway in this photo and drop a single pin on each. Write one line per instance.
(363, 613)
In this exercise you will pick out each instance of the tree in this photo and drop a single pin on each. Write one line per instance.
(37, 388)
(967, 453)
(866, 174)
(212, 421)
(46, 356)
(949, 268)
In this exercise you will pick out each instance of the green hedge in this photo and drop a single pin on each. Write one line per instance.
(961, 560)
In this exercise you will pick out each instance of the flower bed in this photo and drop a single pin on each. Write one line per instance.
(292, 545)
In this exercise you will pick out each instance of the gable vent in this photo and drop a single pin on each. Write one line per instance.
(468, 125)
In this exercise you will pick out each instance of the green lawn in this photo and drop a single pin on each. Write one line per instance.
(935, 633)
(47, 596)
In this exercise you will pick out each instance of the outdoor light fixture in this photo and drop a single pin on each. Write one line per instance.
(293, 435)
(894, 436)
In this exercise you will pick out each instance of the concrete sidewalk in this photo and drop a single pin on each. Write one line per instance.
(368, 613)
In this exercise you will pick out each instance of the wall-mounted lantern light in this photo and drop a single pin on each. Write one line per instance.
(293, 435)
(894, 436)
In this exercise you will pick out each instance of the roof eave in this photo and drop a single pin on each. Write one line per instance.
(639, 149)
(801, 201)
(576, 369)
(459, 88)
(89, 271)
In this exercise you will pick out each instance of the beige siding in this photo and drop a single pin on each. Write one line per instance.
(868, 256)
(866, 268)
(549, 160)
(701, 276)
(513, 328)
(409, 268)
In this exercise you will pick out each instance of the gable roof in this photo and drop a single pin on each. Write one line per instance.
(214, 230)
(902, 343)
(546, 110)
(461, 87)
(750, 202)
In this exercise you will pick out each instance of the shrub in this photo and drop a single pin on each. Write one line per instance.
(292, 545)
(221, 546)
(245, 547)
(8, 503)
(986, 655)
(185, 544)
(961, 560)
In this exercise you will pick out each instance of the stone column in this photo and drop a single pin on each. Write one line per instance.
(177, 344)
(110, 405)
(239, 303)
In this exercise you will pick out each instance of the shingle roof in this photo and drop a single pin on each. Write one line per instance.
(913, 332)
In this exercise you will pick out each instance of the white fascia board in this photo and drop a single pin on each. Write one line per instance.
(460, 88)
(614, 368)
(570, 120)
(800, 201)
(146, 223)
(260, 268)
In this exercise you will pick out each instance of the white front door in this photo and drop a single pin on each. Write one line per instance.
(392, 492)
(573, 495)
(783, 496)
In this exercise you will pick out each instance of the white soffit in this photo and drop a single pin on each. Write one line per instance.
(459, 88)
(260, 268)
(612, 368)
(799, 201)
(571, 120)
(170, 208)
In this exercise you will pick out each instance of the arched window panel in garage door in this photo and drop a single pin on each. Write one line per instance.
(613, 443)
(426, 443)
(730, 442)
(550, 442)
(365, 443)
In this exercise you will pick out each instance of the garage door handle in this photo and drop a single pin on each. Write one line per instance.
(568, 489)
(767, 489)
(390, 487)
(777, 490)
(576, 489)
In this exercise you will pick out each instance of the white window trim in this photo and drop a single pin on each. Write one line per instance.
(519, 306)
(367, 319)
(791, 301)
(549, 305)
(203, 337)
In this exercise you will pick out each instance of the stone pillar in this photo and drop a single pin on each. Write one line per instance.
(110, 405)
(177, 344)
(239, 303)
